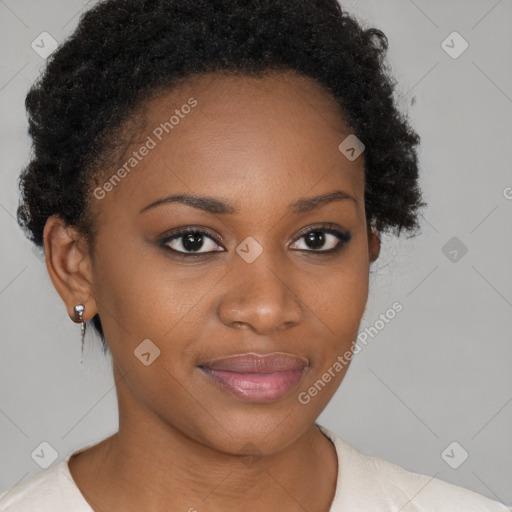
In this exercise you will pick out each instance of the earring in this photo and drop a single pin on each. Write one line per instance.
(79, 310)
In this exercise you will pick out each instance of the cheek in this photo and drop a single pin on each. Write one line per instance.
(142, 295)
(338, 302)
(339, 295)
(132, 295)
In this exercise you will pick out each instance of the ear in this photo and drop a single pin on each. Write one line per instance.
(373, 243)
(69, 266)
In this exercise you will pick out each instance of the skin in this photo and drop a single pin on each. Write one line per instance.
(183, 442)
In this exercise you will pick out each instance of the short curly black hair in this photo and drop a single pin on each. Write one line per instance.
(124, 50)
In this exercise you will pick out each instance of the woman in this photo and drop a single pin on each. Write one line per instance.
(210, 180)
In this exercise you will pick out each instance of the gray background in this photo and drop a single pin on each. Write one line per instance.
(439, 372)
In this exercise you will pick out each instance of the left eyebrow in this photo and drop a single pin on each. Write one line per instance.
(217, 206)
(308, 204)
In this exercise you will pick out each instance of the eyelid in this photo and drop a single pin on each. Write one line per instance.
(178, 232)
(328, 227)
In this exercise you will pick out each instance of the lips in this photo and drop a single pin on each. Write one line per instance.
(254, 377)
(255, 363)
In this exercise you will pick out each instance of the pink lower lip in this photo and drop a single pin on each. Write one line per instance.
(256, 387)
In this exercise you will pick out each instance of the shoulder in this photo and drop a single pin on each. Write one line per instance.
(51, 490)
(367, 483)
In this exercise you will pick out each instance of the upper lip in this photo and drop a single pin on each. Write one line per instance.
(257, 363)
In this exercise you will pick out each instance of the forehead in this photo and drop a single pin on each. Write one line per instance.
(230, 133)
(275, 92)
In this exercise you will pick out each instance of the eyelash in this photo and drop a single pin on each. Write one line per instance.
(343, 237)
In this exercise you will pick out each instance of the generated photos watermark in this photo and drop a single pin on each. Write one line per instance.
(344, 360)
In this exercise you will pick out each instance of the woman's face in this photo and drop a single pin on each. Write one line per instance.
(254, 281)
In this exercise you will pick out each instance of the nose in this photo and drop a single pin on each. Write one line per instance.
(261, 296)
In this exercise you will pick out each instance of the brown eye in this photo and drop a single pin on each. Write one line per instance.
(323, 240)
(191, 242)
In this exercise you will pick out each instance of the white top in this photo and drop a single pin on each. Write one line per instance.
(365, 484)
